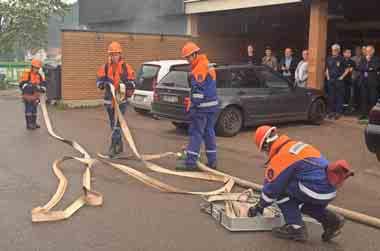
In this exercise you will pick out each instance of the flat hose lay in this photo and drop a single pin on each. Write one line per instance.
(93, 198)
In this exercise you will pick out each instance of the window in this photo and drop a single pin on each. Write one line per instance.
(146, 77)
(176, 79)
(245, 78)
(223, 79)
(271, 80)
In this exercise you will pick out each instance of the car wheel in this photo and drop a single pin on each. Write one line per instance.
(180, 126)
(317, 112)
(141, 111)
(230, 122)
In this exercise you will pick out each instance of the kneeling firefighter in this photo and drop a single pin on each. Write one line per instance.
(121, 75)
(32, 83)
(299, 180)
(201, 107)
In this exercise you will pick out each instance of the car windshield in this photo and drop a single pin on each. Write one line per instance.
(176, 78)
(146, 77)
(272, 80)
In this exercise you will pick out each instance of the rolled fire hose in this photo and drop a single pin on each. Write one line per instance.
(218, 176)
(92, 198)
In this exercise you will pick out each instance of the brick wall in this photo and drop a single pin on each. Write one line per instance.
(84, 52)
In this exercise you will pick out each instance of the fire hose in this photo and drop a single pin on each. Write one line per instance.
(93, 198)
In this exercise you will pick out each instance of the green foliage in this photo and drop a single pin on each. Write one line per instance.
(24, 23)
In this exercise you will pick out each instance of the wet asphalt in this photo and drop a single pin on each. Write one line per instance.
(137, 217)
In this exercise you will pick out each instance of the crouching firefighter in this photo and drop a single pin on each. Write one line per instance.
(201, 108)
(32, 83)
(299, 180)
(121, 75)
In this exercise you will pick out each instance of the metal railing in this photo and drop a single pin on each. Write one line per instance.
(13, 70)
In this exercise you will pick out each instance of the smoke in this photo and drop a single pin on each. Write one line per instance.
(138, 16)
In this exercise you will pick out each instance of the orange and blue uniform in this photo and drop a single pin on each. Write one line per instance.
(115, 74)
(31, 84)
(203, 109)
(296, 180)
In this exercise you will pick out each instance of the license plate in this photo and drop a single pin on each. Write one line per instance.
(139, 98)
(170, 99)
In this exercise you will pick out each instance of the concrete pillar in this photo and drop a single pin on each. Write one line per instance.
(317, 43)
(192, 25)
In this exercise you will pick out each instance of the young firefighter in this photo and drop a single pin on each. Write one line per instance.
(299, 180)
(32, 83)
(121, 75)
(201, 107)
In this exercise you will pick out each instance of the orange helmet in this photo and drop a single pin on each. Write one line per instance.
(189, 49)
(114, 47)
(36, 63)
(264, 134)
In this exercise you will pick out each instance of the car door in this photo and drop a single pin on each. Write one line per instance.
(252, 94)
(286, 101)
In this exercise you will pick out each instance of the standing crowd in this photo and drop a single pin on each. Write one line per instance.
(352, 82)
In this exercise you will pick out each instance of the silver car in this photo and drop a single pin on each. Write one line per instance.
(148, 76)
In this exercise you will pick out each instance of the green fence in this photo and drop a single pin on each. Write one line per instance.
(13, 70)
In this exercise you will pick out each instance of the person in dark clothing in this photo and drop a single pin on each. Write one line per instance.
(369, 69)
(356, 77)
(251, 58)
(288, 65)
(335, 73)
(270, 60)
(349, 65)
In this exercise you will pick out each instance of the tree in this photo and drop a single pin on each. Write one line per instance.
(24, 23)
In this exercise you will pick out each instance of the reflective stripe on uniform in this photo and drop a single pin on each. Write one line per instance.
(198, 95)
(314, 195)
(297, 148)
(192, 153)
(210, 151)
(208, 104)
(286, 199)
(266, 198)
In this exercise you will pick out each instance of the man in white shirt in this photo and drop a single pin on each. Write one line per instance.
(301, 74)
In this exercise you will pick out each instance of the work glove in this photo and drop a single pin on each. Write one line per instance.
(130, 88)
(187, 103)
(37, 101)
(256, 210)
(41, 89)
(101, 85)
(22, 85)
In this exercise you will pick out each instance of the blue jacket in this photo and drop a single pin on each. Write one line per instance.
(203, 86)
(297, 170)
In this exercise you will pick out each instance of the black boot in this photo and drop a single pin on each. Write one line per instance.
(213, 165)
(119, 147)
(332, 225)
(34, 118)
(28, 121)
(291, 233)
(112, 150)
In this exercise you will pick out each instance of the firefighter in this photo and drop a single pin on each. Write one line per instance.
(299, 180)
(118, 73)
(369, 69)
(201, 106)
(335, 73)
(32, 83)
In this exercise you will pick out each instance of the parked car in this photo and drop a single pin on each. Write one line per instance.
(148, 76)
(372, 132)
(248, 95)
